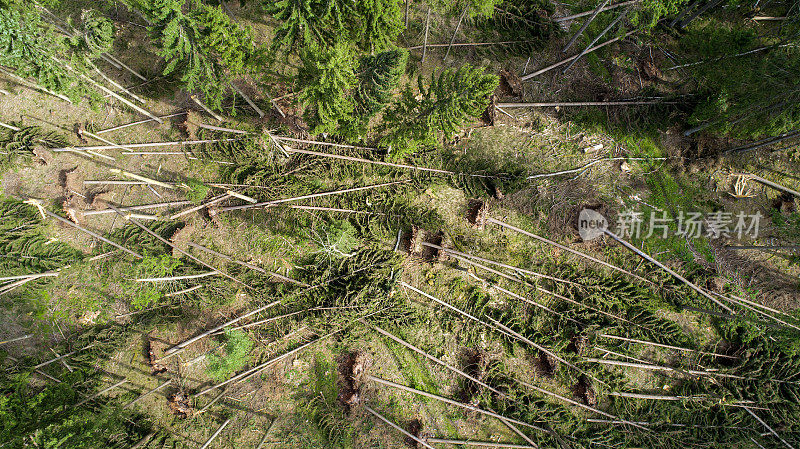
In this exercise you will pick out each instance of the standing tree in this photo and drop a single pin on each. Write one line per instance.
(378, 77)
(201, 43)
(323, 82)
(381, 23)
(307, 22)
(452, 98)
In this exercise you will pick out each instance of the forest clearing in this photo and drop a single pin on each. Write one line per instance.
(400, 224)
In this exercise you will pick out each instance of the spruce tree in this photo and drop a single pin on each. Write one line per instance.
(96, 34)
(31, 48)
(451, 98)
(308, 22)
(200, 43)
(381, 21)
(324, 81)
(378, 78)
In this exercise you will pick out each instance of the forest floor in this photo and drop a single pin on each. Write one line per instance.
(285, 397)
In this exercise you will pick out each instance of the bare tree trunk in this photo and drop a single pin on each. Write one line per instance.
(210, 202)
(214, 436)
(219, 128)
(24, 337)
(509, 267)
(677, 276)
(677, 348)
(179, 278)
(175, 247)
(565, 61)
(93, 234)
(369, 161)
(144, 440)
(314, 195)
(700, 11)
(587, 13)
(99, 393)
(124, 66)
(566, 248)
(458, 25)
(427, 27)
(448, 401)
(115, 128)
(584, 26)
(578, 404)
(266, 432)
(147, 145)
(594, 41)
(248, 265)
(774, 185)
(683, 13)
(773, 432)
(124, 100)
(141, 178)
(497, 326)
(206, 108)
(164, 384)
(579, 103)
(480, 443)
(118, 86)
(440, 362)
(88, 213)
(35, 86)
(248, 100)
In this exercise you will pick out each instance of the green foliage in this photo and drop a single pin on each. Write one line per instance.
(134, 238)
(321, 406)
(484, 8)
(742, 94)
(519, 21)
(336, 239)
(200, 43)
(378, 77)
(452, 98)
(306, 22)
(96, 34)
(324, 81)
(25, 246)
(33, 415)
(45, 417)
(32, 49)
(143, 294)
(198, 190)
(237, 355)
(381, 21)
(364, 280)
(650, 12)
(372, 25)
(21, 143)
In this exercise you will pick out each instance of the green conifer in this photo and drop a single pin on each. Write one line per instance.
(451, 98)
(324, 81)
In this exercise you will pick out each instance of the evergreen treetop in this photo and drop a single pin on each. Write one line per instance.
(324, 81)
(450, 99)
(201, 43)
